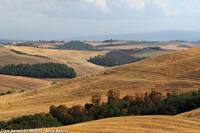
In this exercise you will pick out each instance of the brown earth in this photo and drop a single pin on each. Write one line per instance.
(121, 57)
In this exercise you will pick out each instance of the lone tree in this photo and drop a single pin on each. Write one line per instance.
(96, 99)
(113, 96)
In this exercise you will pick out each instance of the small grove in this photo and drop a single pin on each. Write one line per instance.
(104, 61)
(39, 70)
(153, 103)
(76, 45)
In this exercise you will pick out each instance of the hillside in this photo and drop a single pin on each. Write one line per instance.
(136, 124)
(8, 57)
(121, 57)
(21, 83)
(167, 72)
(191, 114)
(73, 58)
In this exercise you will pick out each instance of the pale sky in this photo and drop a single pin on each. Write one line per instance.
(61, 19)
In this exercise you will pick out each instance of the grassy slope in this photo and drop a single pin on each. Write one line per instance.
(167, 72)
(73, 58)
(8, 57)
(193, 113)
(21, 83)
(136, 124)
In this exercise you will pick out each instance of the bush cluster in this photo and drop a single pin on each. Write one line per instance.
(9, 92)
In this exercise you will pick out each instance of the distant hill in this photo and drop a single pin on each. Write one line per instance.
(4, 41)
(148, 36)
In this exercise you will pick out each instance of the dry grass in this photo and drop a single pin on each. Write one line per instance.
(137, 124)
(21, 83)
(73, 58)
(192, 114)
(8, 57)
(167, 72)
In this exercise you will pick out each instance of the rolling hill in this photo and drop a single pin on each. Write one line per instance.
(136, 124)
(8, 57)
(21, 83)
(166, 72)
(73, 58)
(191, 114)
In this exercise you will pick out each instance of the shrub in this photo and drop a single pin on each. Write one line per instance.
(53, 83)
(22, 91)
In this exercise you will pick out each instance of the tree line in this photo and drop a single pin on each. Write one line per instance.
(18, 52)
(39, 70)
(153, 103)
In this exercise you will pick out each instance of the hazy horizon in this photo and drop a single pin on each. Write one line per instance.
(61, 19)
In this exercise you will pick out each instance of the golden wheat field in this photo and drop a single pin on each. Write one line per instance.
(136, 124)
(178, 71)
(73, 58)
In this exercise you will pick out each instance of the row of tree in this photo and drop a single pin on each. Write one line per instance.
(19, 52)
(153, 103)
(39, 70)
(104, 61)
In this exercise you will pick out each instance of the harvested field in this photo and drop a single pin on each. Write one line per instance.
(137, 124)
(191, 114)
(21, 83)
